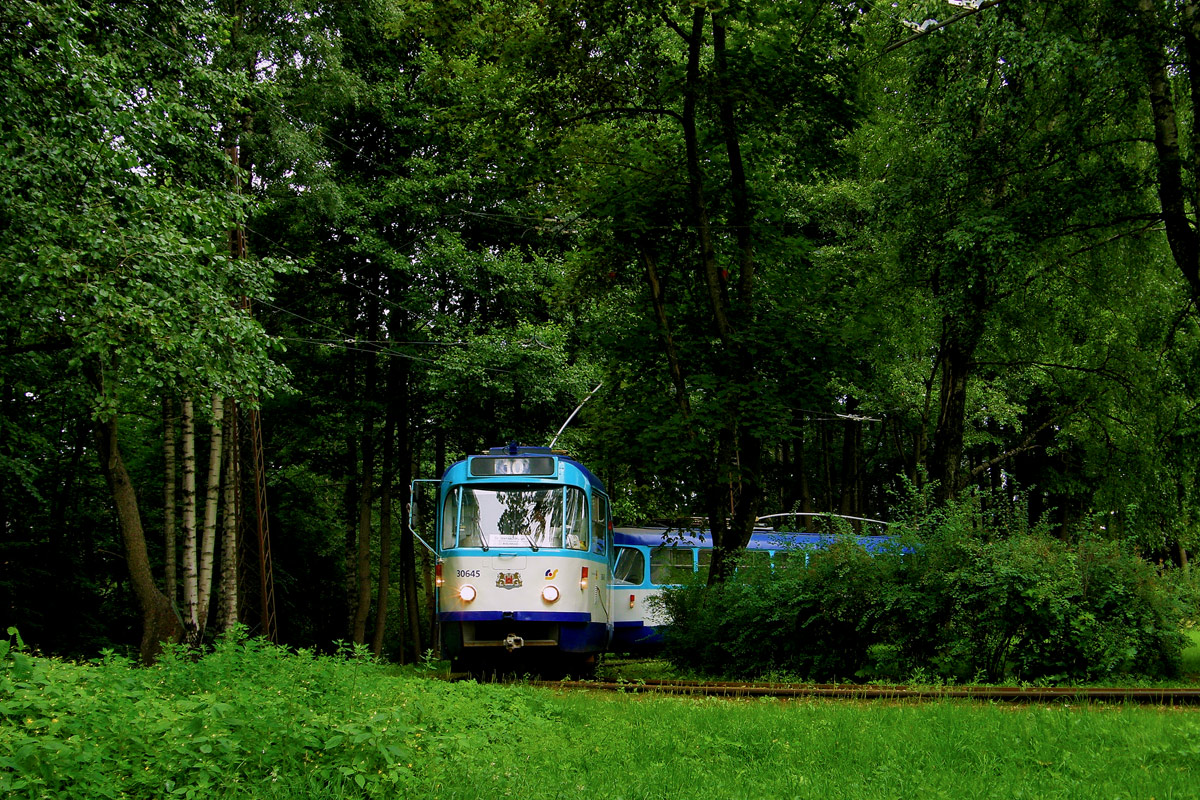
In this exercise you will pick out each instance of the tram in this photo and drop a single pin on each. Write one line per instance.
(524, 547)
(649, 560)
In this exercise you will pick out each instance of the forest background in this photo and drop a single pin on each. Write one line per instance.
(816, 257)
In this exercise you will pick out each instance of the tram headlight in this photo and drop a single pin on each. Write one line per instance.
(550, 594)
(467, 593)
(583, 578)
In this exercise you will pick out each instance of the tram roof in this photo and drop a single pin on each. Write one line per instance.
(761, 539)
(526, 450)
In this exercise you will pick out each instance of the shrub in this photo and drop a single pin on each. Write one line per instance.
(817, 620)
(247, 719)
(951, 598)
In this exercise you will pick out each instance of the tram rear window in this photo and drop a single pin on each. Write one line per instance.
(670, 564)
(482, 467)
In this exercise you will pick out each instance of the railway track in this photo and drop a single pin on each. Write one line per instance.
(744, 689)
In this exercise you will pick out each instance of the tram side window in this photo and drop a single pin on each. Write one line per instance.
(754, 560)
(704, 561)
(670, 564)
(470, 526)
(790, 559)
(631, 566)
(577, 520)
(450, 519)
(599, 522)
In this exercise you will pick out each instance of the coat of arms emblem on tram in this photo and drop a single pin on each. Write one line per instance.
(508, 580)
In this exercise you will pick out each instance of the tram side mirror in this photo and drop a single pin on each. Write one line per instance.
(421, 509)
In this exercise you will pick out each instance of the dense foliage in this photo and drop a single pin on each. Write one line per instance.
(238, 721)
(959, 595)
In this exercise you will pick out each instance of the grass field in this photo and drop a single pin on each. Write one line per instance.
(255, 721)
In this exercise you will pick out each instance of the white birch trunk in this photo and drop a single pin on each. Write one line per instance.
(229, 528)
(191, 621)
(213, 487)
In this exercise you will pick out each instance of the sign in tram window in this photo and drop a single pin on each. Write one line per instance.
(485, 466)
(670, 564)
(576, 527)
(599, 522)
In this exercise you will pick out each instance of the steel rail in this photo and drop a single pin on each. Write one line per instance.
(1028, 694)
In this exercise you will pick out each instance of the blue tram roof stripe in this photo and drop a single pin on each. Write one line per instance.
(761, 539)
(515, 616)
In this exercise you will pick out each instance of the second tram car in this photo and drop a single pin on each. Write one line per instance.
(524, 545)
(647, 560)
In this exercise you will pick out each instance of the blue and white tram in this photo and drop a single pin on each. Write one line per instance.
(524, 543)
(646, 560)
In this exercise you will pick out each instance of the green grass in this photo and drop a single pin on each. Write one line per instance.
(253, 721)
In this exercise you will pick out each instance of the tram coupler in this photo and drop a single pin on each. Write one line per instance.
(512, 642)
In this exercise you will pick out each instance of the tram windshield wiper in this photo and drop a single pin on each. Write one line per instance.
(529, 539)
(483, 542)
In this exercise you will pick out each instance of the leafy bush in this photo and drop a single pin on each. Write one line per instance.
(246, 719)
(818, 620)
(950, 599)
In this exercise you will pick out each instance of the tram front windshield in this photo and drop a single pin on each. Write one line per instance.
(508, 517)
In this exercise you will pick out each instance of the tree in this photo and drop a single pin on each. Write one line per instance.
(685, 128)
(1010, 208)
(1167, 40)
(116, 205)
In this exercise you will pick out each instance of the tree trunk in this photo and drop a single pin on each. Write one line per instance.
(362, 560)
(350, 542)
(191, 619)
(804, 493)
(668, 341)
(366, 488)
(736, 471)
(212, 495)
(945, 463)
(848, 503)
(159, 621)
(827, 462)
(1181, 234)
(385, 554)
(230, 522)
(386, 482)
(432, 641)
(170, 496)
(408, 579)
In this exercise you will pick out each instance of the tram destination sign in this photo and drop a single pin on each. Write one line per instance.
(487, 466)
